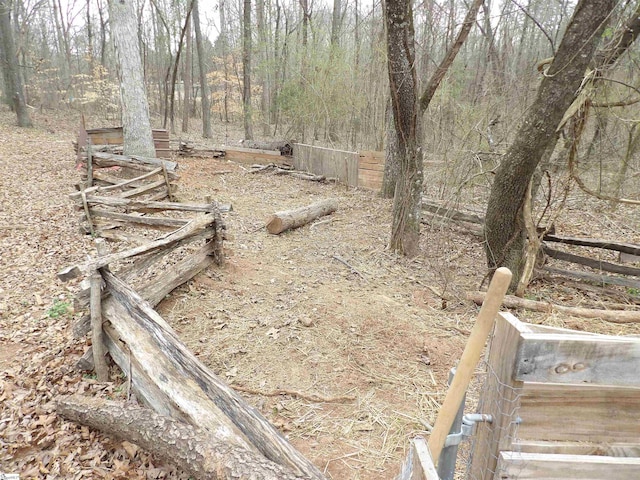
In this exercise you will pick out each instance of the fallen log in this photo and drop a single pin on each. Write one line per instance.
(590, 262)
(288, 219)
(450, 213)
(594, 242)
(613, 316)
(175, 381)
(285, 147)
(189, 448)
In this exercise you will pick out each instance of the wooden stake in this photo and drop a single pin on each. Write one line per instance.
(102, 370)
(469, 360)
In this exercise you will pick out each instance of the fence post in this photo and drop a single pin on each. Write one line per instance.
(447, 460)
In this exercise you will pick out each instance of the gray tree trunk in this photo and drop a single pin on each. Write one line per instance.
(186, 107)
(246, 71)
(504, 225)
(405, 229)
(13, 85)
(204, 86)
(138, 139)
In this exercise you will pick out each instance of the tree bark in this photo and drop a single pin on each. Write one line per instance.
(204, 85)
(288, 219)
(186, 107)
(505, 226)
(189, 448)
(10, 67)
(136, 125)
(246, 71)
(405, 229)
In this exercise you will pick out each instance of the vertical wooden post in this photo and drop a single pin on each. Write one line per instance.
(89, 163)
(166, 179)
(469, 360)
(102, 370)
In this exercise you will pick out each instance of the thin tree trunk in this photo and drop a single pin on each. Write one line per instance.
(405, 229)
(204, 86)
(246, 70)
(505, 225)
(10, 67)
(176, 63)
(186, 107)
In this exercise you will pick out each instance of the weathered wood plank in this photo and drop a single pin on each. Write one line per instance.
(578, 448)
(594, 277)
(594, 242)
(189, 230)
(591, 262)
(189, 385)
(140, 219)
(418, 465)
(103, 159)
(578, 359)
(535, 466)
(151, 206)
(131, 183)
(331, 163)
(499, 397)
(582, 413)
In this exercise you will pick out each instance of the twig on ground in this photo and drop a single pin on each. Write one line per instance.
(353, 269)
(313, 397)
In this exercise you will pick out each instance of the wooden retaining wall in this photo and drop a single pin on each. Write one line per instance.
(114, 136)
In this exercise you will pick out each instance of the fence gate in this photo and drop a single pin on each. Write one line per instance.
(564, 405)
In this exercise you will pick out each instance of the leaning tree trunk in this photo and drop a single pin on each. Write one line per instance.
(505, 223)
(13, 85)
(135, 109)
(204, 86)
(405, 229)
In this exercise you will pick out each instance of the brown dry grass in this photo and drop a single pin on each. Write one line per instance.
(285, 321)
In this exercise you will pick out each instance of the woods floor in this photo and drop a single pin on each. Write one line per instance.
(343, 346)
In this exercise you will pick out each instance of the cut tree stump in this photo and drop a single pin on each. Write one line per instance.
(288, 219)
(189, 448)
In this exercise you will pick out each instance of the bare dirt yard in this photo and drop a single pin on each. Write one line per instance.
(345, 347)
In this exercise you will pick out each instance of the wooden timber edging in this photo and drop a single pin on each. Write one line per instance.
(356, 169)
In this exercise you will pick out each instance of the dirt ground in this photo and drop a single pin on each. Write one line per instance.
(345, 347)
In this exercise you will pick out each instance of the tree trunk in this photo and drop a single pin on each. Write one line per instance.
(204, 86)
(392, 169)
(246, 70)
(505, 226)
(405, 229)
(186, 107)
(189, 448)
(176, 63)
(138, 139)
(10, 67)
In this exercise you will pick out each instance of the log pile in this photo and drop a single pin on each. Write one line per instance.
(187, 149)
(285, 169)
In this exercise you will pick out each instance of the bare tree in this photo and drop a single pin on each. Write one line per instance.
(246, 70)
(13, 84)
(138, 139)
(405, 229)
(505, 228)
(204, 86)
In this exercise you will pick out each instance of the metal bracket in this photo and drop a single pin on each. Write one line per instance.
(468, 429)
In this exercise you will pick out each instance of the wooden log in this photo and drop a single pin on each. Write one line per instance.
(165, 222)
(151, 206)
(613, 316)
(189, 230)
(590, 262)
(446, 212)
(99, 350)
(285, 147)
(593, 242)
(288, 219)
(131, 183)
(102, 159)
(189, 448)
(188, 387)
